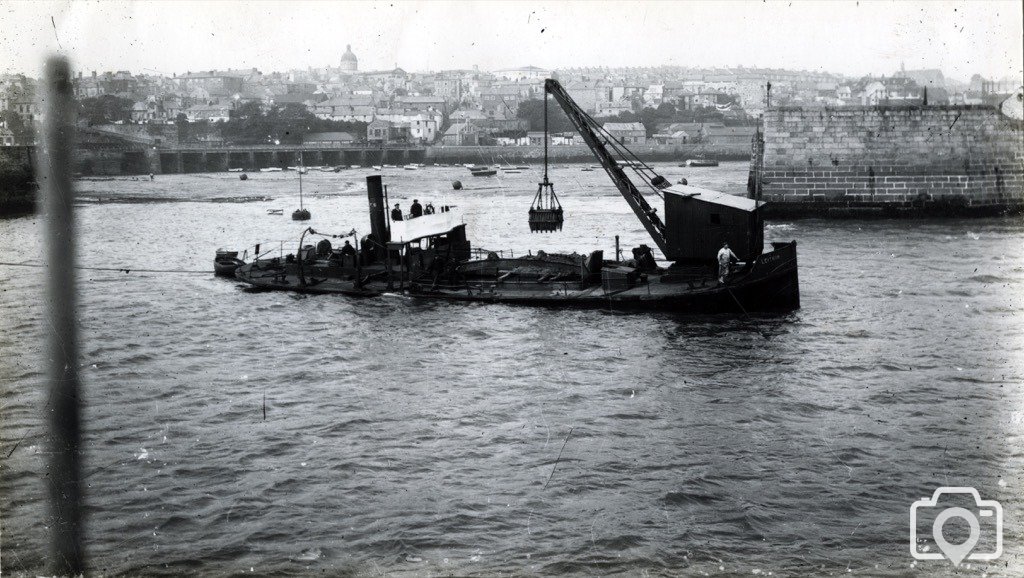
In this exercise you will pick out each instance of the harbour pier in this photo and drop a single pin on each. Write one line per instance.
(102, 154)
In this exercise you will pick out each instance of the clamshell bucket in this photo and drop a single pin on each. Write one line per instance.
(546, 212)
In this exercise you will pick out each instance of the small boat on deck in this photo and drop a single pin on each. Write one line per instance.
(225, 263)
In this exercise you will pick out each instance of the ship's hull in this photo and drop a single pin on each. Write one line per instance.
(769, 284)
(278, 275)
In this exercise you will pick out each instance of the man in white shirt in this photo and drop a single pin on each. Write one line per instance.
(725, 256)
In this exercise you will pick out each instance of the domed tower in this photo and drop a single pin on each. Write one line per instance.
(349, 62)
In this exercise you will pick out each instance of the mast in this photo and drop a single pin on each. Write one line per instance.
(300, 181)
(599, 141)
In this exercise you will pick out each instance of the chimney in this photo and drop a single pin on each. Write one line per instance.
(378, 222)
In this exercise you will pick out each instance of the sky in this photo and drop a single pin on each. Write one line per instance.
(850, 38)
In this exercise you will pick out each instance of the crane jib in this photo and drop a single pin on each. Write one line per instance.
(589, 130)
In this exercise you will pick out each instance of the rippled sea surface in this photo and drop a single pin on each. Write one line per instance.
(417, 438)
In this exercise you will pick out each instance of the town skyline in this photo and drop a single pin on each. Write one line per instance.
(958, 39)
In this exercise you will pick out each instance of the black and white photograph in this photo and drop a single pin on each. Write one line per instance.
(512, 288)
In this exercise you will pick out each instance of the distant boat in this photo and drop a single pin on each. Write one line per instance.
(302, 170)
(376, 167)
(275, 211)
(388, 166)
(522, 168)
(484, 173)
(700, 162)
(411, 168)
(271, 170)
(237, 170)
(587, 169)
(355, 167)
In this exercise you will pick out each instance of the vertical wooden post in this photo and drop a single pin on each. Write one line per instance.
(66, 555)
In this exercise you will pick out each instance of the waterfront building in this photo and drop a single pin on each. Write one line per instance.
(349, 107)
(384, 132)
(461, 134)
(328, 139)
(674, 138)
(627, 133)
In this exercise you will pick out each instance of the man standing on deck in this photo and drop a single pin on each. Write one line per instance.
(396, 213)
(725, 257)
(416, 210)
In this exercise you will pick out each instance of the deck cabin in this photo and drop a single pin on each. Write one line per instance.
(424, 244)
(699, 220)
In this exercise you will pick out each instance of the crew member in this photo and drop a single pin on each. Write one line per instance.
(396, 213)
(416, 210)
(429, 209)
(348, 249)
(725, 256)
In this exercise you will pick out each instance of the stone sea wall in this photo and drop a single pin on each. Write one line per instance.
(581, 153)
(888, 161)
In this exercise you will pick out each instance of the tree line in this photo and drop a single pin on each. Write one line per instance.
(248, 123)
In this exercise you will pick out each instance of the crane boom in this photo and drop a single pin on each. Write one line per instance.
(599, 141)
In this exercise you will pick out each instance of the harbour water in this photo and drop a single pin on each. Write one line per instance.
(230, 432)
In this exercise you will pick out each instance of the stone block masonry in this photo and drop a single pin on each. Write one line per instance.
(890, 161)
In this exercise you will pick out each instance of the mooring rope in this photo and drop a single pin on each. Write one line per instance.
(125, 270)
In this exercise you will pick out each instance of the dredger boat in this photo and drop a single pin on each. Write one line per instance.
(429, 257)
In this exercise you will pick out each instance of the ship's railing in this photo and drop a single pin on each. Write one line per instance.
(481, 253)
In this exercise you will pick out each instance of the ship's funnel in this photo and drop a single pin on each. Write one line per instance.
(378, 221)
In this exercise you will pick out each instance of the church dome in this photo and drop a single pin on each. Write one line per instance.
(349, 62)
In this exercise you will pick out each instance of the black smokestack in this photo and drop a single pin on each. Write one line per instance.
(378, 221)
